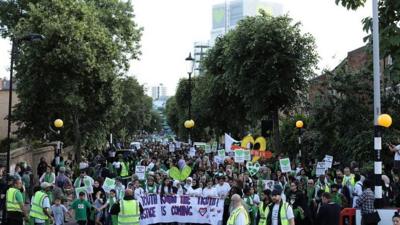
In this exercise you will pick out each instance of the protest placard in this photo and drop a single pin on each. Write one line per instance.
(140, 172)
(321, 168)
(239, 156)
(221, 153)
(269, 184)
(192, 152)
(207, 148)
(328, 161)
(247, 155)
(285, 165)
(108, 184)
(214, 147)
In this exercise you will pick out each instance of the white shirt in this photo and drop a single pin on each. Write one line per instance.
(358, 191)
(397, 154)
(138, 192)
(210, 192)
(223, 190)
(195, 192)
(275, 214)
(46, 204)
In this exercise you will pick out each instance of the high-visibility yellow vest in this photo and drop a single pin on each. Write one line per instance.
(263, 216)
(12, 205)
(282, 213)
(37, 206)
(124, 169)
(350, 179)
(129, 212)
(234, 215)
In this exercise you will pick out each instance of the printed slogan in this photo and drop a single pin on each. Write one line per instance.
(181, 209)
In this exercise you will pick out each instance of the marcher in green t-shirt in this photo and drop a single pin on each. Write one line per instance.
(81, 207)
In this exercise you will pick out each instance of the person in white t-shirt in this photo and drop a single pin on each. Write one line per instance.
(210, 191)
(273, 211)
(222, 187)
(187, 188)
(196, 190)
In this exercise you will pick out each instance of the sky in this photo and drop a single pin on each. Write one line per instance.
(172, 26)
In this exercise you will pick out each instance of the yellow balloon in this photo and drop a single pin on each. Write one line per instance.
(385, 120)
(299, 124)
(58, 123)
(189, 124)
(247, 140)
(263, 147)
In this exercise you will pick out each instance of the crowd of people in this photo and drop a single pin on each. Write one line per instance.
(268, 197)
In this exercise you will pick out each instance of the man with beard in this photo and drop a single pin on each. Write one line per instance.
(279, 212)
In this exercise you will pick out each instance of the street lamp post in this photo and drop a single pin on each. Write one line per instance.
(383, 121)
(189, 124)
(299, 125)
(14, 51)
(58, 123)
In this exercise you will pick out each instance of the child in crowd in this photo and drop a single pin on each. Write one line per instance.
(58, 210)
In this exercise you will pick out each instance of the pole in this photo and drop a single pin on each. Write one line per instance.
(299, 144)
(190, 105)
(13, 49)
(377, 105)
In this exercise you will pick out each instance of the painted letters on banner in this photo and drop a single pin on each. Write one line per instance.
(181, 209)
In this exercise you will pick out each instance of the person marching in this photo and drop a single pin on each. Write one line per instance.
(15, 204)
(124, 172)
(239, 215)
(263, 205)
(279, 212)
(40, 205)
(128, 209)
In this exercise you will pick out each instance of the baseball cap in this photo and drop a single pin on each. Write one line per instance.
(45, 185)
(277, 190)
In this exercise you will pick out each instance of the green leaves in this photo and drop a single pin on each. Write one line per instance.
(75, 73)
(351, 4)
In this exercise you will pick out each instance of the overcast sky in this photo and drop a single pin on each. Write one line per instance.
(172, 26)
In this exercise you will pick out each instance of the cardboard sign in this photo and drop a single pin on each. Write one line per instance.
(247, 155)
(328, 161)
(140, 171)
(108, 185)
(221, 153)
(239, 156)
(79, 190)
(285, 165)
(177, 144)
(269, 184)
(207, 148)
(214, 146)
(192, 152)
(321, 168)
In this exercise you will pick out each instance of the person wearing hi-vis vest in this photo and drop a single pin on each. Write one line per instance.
(279, 212)
(262, 220)
(239, 215)
(15, 204)
(128, 209)
(40, 205)
(124, 170)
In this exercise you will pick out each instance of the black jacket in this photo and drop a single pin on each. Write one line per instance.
(328, 214)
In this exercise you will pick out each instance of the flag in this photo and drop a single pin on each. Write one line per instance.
(228, 142)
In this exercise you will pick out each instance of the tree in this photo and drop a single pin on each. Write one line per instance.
(74, 73)
(267, 61)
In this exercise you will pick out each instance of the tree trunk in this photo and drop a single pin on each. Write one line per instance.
(77, 138)
(275, 133)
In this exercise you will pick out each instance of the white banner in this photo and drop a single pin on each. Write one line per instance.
(328, 161)
(140, 171)
(181, 209)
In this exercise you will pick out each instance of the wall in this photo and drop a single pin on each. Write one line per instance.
(32, 156)
(4, 112)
